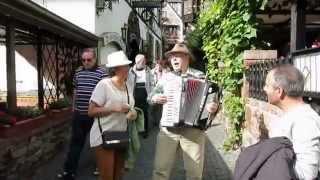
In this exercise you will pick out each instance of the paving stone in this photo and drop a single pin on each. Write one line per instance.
(218, 164)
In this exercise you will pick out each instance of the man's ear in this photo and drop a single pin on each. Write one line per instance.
(282, 93)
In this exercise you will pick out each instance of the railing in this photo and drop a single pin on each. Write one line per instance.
(56, 61)
(171, 35)
(60, 61)
(257, 73)
(307, 61)
(171, 32)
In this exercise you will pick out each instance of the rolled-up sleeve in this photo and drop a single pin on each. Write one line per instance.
(99, 95)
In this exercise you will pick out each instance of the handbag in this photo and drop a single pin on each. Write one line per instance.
(115, 139)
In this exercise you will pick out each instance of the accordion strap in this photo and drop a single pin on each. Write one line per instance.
(216, 112)
(128, 99)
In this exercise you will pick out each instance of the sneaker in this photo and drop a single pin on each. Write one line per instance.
(65, 176)
(96, 172)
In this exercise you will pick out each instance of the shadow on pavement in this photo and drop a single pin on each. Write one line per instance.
(215, 167)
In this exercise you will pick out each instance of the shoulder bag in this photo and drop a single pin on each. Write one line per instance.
(115, 139)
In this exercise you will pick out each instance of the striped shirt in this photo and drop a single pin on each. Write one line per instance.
(85, 81)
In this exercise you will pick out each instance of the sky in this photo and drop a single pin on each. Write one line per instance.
(26, 74)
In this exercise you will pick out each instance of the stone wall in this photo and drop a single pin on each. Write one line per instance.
(24, 152)
(259, 115)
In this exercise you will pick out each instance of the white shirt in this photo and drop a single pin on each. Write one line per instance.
(141, 76)
(302, 126)
(105, 94)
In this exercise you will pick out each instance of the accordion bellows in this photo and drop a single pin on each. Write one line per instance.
(186, 99)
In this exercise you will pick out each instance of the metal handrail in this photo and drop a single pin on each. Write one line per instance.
(306, 60)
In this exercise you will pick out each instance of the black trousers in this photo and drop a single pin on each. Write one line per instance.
(140, 98)
(81, 126)
(156, 113)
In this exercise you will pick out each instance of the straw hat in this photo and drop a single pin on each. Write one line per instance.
(116, 59)
(180, 48)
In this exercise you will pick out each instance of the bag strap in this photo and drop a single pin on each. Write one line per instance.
(128, 99)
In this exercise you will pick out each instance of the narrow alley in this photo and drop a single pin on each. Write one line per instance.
(217, 163)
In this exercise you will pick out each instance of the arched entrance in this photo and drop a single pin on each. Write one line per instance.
(111, 42)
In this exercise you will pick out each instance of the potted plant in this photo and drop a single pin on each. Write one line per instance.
(27, 112)
(60, 104)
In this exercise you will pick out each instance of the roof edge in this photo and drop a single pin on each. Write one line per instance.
(31, 13)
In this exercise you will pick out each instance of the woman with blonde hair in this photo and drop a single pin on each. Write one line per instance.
(112, 105)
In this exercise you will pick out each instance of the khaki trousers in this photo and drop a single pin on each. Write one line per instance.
(192, 143)
(110, 163)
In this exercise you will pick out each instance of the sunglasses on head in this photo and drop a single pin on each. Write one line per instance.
(86, 60)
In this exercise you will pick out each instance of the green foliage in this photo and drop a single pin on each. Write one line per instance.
(228, 28)
(60, 103)
(233, 106)
(194, 39)
(28, 112)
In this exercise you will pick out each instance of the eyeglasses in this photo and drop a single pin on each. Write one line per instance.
(86, 60)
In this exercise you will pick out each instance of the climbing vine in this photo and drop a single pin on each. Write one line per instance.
(228, 28)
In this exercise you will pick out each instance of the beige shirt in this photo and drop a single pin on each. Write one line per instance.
(105, 94)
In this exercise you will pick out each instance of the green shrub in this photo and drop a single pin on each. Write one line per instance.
(60, 103)
(228, 28)
(28, 112)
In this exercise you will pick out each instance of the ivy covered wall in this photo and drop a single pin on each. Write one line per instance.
(226, 29)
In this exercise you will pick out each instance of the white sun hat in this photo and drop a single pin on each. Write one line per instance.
(116, 59)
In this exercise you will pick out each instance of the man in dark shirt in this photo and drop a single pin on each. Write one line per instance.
(85, 80)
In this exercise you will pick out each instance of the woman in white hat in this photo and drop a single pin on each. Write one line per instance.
(109, 102)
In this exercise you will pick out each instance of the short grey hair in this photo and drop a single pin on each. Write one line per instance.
(289, 78)
(91, 50)
(139, 57)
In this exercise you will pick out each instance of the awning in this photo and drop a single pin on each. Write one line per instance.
(33, 15)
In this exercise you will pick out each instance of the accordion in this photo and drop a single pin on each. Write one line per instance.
(186, 100)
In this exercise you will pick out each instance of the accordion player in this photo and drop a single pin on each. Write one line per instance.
(186, 100)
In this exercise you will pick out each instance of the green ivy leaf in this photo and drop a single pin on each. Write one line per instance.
(246, 17)
(226, 29)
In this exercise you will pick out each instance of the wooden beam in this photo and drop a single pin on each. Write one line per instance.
(11, 67)
(298, 35)
(40, 72)
(286, 12)
(57, 68)
(147, 4)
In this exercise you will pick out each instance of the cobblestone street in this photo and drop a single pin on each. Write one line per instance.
(217, 163)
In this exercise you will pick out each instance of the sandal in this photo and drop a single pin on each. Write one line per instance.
(96, 172)
(65, 176)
